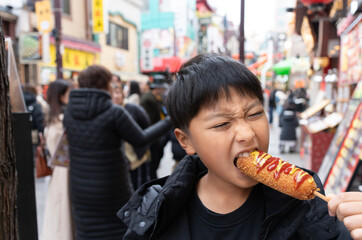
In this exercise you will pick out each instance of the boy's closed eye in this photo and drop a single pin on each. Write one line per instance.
(221, 125)
(257, 114)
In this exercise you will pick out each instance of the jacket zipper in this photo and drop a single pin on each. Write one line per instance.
(293, 203)
(153, 234)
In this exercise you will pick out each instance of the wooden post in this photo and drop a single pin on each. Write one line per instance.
(58, 37)
(242, 34)
(8, 179)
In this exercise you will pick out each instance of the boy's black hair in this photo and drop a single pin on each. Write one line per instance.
(202, 80)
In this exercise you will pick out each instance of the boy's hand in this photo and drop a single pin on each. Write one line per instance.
(347, 207)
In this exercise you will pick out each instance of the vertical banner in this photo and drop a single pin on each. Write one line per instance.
(43, 16)
(147, 49)
(97, 16)
(46, 47)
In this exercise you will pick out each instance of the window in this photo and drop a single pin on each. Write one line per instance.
(66, 7)
(65, 4)
(117, 36)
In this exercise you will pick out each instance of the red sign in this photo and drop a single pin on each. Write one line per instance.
(311, 2)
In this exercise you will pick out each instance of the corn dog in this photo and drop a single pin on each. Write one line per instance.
(278, 174)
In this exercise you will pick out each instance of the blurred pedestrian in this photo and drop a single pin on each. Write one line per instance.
(57, 221)
(145, 87)
(300, 99)
(36, 112)
(138, 157)
(280, 97)
(152, 102)
(99, 175)
(272, 105)
(288, 122)
(40, 98)
(134, 93)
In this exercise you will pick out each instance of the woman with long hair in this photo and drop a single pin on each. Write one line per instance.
(134, 93)
(57, 221)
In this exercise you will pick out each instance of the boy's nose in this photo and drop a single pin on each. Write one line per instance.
(244, 132)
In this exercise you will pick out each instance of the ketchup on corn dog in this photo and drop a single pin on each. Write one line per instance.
(278, 174)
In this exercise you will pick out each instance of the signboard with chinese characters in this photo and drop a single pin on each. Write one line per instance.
(43, 16)
(73, 59)
(97, 16)
(147, 55)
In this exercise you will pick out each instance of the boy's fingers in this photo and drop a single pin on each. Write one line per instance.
(346, 209)
(357, 234)
(342, 197)
(331, 208)
(353, 222)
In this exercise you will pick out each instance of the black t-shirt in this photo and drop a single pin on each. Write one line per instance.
(243, 223)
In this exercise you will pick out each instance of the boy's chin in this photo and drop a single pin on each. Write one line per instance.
(246, 182)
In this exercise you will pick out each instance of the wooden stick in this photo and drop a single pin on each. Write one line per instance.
(321, 196)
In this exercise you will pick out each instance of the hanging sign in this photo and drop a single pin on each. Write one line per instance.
(43, 16)
(97, 16)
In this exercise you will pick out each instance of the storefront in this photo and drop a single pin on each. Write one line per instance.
(77, 55)
(341, 169)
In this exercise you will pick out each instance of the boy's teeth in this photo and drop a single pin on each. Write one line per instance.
(245, 154)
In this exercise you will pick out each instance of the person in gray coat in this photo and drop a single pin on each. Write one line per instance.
(99, 175)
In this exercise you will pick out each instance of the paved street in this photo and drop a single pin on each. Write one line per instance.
(166, 166)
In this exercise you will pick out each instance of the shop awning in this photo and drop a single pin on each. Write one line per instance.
(77, 44)
(283, 67)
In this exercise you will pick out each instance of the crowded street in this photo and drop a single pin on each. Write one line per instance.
(165, 119)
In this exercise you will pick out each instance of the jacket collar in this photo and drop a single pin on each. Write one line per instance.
(87, 103)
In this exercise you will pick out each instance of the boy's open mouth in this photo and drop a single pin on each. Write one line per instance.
(243, 154)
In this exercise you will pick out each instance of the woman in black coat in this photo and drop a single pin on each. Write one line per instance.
(99, 175)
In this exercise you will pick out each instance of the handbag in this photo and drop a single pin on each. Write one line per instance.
(42, 168)
(61, 154)
(134, 161)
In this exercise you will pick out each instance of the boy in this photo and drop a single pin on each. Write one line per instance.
(216, 107)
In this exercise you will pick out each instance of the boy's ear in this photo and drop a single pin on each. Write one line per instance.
(184, 141)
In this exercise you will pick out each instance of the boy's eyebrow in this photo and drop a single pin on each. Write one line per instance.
(230, 115)
(252, 105)
(215, 115)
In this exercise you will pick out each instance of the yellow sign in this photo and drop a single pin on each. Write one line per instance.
(75, 60)
(43, 16)
(97, 14)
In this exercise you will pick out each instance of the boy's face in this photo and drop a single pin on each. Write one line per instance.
(219, 134)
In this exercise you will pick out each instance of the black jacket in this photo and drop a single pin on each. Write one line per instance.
(139, 114)
(99, 175)
(288, 121)
(36, 111)
(157, 210)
